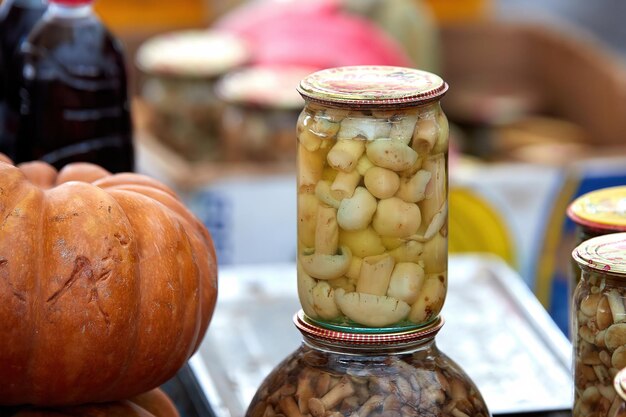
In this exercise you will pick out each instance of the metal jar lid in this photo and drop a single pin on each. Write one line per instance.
(192, 54)
(312, 330)
(372, 87)
(603, 209)
(265, 86)
(606, 253)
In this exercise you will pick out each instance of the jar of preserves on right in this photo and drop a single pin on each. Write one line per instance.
(599, 324)
(596, 213)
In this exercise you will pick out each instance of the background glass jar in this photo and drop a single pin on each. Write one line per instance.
(261, 107)
(337, 374)
(372, 198)
(599, 324)
(179, 71)
(596, 213)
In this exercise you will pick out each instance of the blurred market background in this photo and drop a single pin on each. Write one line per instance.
(537, 105)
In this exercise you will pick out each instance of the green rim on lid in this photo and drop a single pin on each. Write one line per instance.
(372, 87)
(606, 253)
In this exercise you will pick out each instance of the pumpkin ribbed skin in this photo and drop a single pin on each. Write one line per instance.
(106, 287)
(153, 403)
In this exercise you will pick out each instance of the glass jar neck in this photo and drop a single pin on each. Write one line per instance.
(601, 278)
(343, 348)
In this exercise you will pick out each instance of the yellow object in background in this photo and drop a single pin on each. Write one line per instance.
(451, 11)
(475, 226)
(151, 15)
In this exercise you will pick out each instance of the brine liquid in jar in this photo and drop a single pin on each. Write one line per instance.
(73, 101)
(372, 198)
(338, 374)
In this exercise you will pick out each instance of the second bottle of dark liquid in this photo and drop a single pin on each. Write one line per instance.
(73, 101)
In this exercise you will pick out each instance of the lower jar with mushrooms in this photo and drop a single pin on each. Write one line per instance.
(336, 374)
(598, 323)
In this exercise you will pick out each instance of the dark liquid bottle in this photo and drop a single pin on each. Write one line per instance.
(17, 18)
(73, 100)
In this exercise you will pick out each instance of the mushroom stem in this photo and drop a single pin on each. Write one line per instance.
(345, 154)
(311, 167)
(322, 385)
(368, 406)
(326, 231)
(289, 407)
(304, 391)
(435, 225)
(375, 274)
(344, 184)
(340, 391)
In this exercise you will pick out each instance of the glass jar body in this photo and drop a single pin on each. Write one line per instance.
(322, 381)
(184, 114)
(599, 342)
(582, 234)
(258, 133)
(372, 215)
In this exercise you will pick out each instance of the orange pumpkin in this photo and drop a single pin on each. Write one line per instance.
(107, 284)
(153, 403)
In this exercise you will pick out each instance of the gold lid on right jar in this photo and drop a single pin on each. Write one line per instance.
(603, 209)
(606, 253)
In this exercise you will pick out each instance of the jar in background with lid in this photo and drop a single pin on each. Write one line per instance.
(345, 374)
(372, 176)
(261, 109)
(596, 213)
(179, 72)
(598, 322)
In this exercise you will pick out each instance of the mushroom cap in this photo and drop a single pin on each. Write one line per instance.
(371, 310)
(326, 267)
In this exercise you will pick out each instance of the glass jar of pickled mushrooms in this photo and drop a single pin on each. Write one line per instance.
(179, 71)
(261, 107)
(599, 325)
(346, 374)
(372, 178)
(596, 213)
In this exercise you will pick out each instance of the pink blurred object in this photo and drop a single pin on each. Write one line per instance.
(317, 34)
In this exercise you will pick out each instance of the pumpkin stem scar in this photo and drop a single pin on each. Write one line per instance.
(4, 273)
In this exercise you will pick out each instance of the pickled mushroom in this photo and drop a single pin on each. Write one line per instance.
(371, 310)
